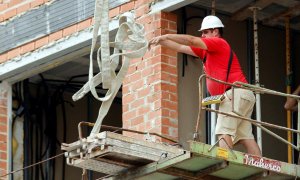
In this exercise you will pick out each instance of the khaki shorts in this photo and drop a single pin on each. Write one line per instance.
(238, 129)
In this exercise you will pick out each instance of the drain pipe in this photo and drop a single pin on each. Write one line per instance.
(288, 81)
(213, 7)
(256, 61)
(213, 115)
(249, 51)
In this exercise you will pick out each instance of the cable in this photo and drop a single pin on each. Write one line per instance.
(53, 157)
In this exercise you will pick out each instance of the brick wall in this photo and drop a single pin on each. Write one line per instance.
(10, 8)
(36, 44)
(150, 87)
(3, 130)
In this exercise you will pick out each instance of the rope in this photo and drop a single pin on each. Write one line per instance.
(130, 42)
(12, 172)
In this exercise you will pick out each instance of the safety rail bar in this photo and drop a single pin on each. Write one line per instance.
(254, 89)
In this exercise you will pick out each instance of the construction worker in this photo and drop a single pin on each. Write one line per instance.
(216, 54)
(291, 103)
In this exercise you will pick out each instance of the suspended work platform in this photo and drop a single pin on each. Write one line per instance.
(122, 157)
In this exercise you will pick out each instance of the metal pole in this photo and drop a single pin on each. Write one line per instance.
(256, 60)
(213, 7)
(288, 86)
(213, 117)
(196, 134)
(213, 123)
(298, 135)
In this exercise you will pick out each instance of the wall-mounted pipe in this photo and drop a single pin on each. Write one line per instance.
(256, 70)
(288, 84)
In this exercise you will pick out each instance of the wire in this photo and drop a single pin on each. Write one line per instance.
(53, 157)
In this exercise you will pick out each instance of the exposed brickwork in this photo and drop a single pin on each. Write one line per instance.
(114, 12)
(31, 46)
(11, 8)
(150, 87)
(3, 130)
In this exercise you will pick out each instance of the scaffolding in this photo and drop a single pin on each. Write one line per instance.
(121, 157)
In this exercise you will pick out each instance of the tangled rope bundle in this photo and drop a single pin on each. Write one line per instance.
(130, 42)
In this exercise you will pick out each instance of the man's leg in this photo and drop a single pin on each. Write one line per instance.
(251, 146)
(228, 144)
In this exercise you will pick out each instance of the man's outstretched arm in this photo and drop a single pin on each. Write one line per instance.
(178, 42)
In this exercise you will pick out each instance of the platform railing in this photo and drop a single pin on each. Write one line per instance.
(254, 89)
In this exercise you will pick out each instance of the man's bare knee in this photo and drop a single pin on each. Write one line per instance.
(251, 146)
(225, 141)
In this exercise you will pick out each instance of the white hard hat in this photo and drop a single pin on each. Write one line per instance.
(210, 22)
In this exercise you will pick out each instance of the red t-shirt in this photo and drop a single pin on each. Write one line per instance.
(216, 65)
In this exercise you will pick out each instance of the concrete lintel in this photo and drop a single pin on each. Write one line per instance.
(169, 5)
(50, 56)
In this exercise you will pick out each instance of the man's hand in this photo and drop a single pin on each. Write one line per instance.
(156, 41)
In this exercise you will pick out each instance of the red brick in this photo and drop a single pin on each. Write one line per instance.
(3, 155)
(127, 7)
(10, 13)
(139, 3)
(169, 105)
(114, 12)
(3, 128)
(134, 77)
(3, 165)
(125, 107)
(137, 84)
(3, 119)
(23, 8)
(141, 128)
(137, 103)
(128, 98)
(132, 69)
(13, 3)
(161, 23)
(27, 48)
(3, 7)
(165, 112)
(84, 24)
(41, 42)
(165, 130)
(69, 30)
(169, 69)
(2, 17)
(3, 102)
(144, 92)
(146, 72)
(168, 87)
(143, 110)
(165, 95)
(172, 25)
(142, 10)
(3, 110)
(129, 115)
(55, 36)
(153, 79)
(154, 114)
(13, 53)
(3, 57)
(169, 52)
(3, 139)
(174, 114)
(137, 120)
(145, 20)
(169, 122)
(166, 16)
(36, 3)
